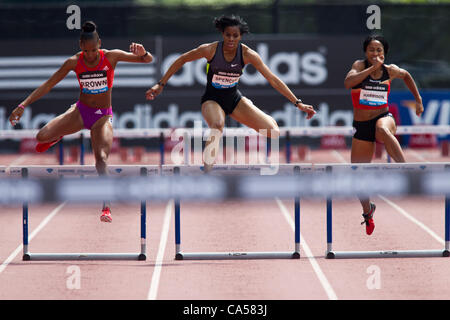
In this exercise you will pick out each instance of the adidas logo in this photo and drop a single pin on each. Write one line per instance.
(98, 111)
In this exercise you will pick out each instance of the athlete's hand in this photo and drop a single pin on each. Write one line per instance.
(137, 49)
(419, 108)
(308, 109)
(377, 61)
(15, 116)
(154, 91)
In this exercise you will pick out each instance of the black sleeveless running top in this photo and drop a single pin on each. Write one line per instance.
(224, 75)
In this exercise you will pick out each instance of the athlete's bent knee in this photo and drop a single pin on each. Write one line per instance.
(101, 158)
(218, 125)
(274, 131)
(383, 133)
(42, 136)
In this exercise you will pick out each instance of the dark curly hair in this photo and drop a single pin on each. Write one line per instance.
(231, 21)
(380, 38)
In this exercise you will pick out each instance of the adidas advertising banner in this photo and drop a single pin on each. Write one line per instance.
(314, 68)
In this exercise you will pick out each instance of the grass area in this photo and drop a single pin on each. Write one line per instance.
(280, 2)
(202, 2)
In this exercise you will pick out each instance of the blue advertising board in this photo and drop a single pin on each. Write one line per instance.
(436, 109)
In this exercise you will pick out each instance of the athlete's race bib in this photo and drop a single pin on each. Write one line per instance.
(225, 80)
(94, 82)
(374, 95)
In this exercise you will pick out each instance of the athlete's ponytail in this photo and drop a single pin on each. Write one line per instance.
(89, 32)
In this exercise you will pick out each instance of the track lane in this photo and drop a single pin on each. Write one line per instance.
(78, 229)
(237, 226)
(284, 279)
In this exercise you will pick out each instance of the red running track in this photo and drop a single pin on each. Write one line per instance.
(401, 223)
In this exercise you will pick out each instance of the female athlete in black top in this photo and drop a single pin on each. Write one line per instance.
(226, 60)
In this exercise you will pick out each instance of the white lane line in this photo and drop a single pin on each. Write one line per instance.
(338, 156)
(322, 278)
(18, 161)
(417, 155)
(31, 236)
(412, 219)
(153, 291)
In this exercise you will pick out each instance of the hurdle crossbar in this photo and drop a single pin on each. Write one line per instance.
(293, 131)
(187, 133)
(331, 254)
(180, 255)
(27, 255)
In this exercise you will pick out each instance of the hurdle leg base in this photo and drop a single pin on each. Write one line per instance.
(142, 257)
(26, 257)
(330, 255)
(179, 256)
(446, 253)
(296, 255)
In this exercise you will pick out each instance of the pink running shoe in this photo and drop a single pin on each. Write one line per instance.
(41, 147)
(106, 215)
(368, 219)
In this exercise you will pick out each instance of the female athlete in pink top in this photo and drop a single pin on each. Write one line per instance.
(94, 68)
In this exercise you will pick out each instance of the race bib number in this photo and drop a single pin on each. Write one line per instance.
(375, 95)
(94, 82)
(225, 81)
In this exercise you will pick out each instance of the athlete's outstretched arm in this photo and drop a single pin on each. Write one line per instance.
(43, 89)
(137, 54)
(253, 58)
(397, 72)
(202, 51)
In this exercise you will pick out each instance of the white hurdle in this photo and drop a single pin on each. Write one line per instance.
(187, 133)
(391, 167)
(61, 171)
(243, 182)
(281, 169)
(3, 172)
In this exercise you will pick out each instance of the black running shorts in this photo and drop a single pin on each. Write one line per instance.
(365, 130)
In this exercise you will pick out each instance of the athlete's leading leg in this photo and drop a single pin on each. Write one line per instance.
(67, 123)
(251, 116)
(101, 140)
(385, 133)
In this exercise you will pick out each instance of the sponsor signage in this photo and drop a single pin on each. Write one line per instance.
(313, 67)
